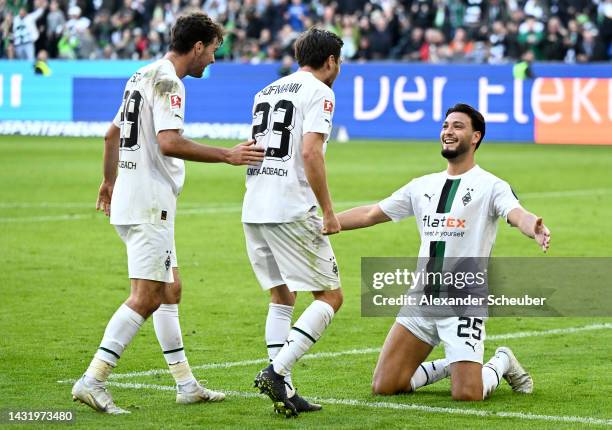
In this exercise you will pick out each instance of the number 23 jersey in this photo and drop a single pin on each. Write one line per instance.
(148, 182)
(277, 190)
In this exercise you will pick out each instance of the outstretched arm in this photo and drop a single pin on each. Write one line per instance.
(172, 144)
(111, 157)
(531, 226)
(362, 216)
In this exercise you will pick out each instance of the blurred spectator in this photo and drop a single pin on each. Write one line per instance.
(522, 69)
(76, 23)
(531, 34)
(535, 8)
(67, 46)
(474, 13)
(6, 31)
(87, 46)
(102, 28)
(286, 66)
(350, 36)
(41, 67)
(296, 13)
(460, 47)
(434, 50)
(41, 24)
(586, 47)
(422, 14)
(410, 45)
(498, 43)
(55, 26)
(25, 33)
(364, 53)
(553, 46)
(441, 19)
(379, 37)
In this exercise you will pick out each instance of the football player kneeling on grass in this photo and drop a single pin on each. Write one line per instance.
(468, 193)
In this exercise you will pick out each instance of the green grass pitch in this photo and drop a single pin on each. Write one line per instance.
(65, 273)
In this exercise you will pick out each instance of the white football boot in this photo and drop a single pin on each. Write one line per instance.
(195, 393)
(96, 396)
(517, 376)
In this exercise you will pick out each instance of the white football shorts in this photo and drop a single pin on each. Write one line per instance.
(150, 250)
(462, 337)
(295, 253)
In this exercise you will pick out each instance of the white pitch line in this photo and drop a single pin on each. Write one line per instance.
(515, 335)
(395, 406)
(190, 209)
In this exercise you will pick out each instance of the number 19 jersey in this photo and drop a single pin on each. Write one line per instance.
(148, 182)
(277, 191)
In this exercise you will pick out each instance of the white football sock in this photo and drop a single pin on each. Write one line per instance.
(181, 372)
(306, 331)
(429, 372)
(168, 332)
(278, 325)
(120, 330)
(492, 372)
(98, 371)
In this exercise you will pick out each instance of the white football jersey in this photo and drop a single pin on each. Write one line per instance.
(277, 190)
(456, 215)
(148, 181)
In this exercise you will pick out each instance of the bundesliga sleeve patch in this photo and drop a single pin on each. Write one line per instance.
(175, 101)
(328, 106)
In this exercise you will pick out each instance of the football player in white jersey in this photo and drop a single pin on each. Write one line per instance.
(461, 205)
(145, 144)
(286, 240)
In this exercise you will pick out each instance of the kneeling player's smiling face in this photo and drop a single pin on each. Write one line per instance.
(456, 135)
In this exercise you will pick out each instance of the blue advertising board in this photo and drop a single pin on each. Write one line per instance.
(374, 100)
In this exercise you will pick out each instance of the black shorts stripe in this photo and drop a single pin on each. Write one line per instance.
(174, 350)
(276, 345)
(109, 351)
(312, 339)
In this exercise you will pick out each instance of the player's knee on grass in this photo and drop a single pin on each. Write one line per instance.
(386, 386)
(471, 392)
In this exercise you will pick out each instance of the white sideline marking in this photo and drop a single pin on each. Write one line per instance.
(396, 406)
(191, 209)
(515, 335)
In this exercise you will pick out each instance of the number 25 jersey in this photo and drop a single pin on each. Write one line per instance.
(277, 190)
(148, 182)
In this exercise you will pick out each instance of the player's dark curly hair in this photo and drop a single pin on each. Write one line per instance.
(478, 121)
(193, 28)
(314, 47)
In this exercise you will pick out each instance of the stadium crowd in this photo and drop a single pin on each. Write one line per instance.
(435, 31)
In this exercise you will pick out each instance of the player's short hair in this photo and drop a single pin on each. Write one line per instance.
(314, 47)
(193, 28)
(478, 121)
